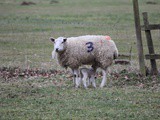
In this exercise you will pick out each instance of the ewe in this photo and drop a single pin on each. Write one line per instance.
(95, 50)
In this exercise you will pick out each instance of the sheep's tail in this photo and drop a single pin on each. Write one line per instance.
(115, 54)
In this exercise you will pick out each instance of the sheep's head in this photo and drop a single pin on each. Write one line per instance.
(59, 45)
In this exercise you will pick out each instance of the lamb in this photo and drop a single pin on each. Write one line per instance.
(95, 50)
(87, 73)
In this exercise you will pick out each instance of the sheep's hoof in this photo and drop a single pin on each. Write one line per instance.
(101, 86)
(94, 86)
(76, 86)
(85, 87)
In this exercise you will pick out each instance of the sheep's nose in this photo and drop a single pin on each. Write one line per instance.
(56, 49)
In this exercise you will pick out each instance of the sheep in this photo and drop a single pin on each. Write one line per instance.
(87, 73)
(95, 50)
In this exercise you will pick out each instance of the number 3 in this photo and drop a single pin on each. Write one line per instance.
(89, 46)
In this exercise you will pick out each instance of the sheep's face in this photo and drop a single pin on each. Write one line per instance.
(59, 45)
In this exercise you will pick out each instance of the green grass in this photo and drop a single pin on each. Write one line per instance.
(24, 42)
(25, 29)
(54, 98)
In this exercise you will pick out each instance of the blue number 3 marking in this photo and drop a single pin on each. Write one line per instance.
(89, 46)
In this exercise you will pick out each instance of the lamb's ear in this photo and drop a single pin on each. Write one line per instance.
(64, 40)
(52, 39)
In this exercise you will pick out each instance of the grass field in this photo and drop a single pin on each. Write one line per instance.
(130, 97)
(24, 43)
(25, 30)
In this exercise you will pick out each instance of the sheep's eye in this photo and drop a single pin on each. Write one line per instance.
(63, 42)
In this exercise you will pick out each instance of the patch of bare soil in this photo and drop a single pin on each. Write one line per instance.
(27, 3)
(150, 2)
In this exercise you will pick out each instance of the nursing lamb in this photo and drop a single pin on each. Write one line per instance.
(87, 75)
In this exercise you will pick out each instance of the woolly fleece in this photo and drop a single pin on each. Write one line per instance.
(76, 52)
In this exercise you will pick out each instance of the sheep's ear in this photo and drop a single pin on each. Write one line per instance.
(52, 39)
(65, 39)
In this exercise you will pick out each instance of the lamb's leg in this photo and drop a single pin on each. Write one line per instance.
(104, 80)
(84, 80)
(92, 80)
(77, 80)
(88, 81)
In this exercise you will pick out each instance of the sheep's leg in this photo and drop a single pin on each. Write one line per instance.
(88, 82)
(93, 82)
(109, 74)
(74, 76)
(77, 80)
(104, 80)
(92, 79)
(84, 80)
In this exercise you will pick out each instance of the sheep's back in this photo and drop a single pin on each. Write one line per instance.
(83, 45)
(79, 50)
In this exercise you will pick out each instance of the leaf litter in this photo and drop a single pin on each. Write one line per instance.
(59, 77)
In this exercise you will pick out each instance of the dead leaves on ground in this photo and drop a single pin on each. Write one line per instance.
(59, 77)
(126, 78)
(9, 73)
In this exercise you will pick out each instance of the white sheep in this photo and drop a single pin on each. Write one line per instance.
(95, 50)
(87, 74)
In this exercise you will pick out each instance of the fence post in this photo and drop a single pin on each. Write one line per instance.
(139, 38)
(149, 43)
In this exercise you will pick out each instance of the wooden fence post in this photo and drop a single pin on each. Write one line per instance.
(139, 38)
(149, 43)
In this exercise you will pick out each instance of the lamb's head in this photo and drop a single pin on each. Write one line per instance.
(59, 45)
